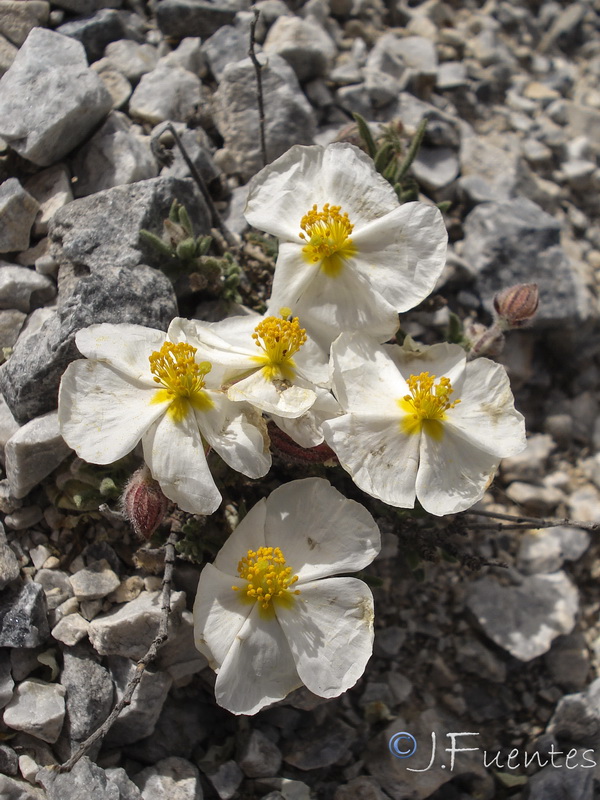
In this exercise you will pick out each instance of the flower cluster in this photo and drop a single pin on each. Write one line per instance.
(407, 422)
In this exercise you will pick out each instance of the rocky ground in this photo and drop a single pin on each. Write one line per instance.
(506, 654)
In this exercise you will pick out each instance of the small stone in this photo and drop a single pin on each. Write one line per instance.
(321, 748)
(18, 210)
(18, 790)
(451, 75)
(584, 504)
(166, 93)
(477, 659)
(361, 788)
(535, 499)
(524, 619)
(127, 788)
(6, 681)
(11, 322)
(56, 584)
(179, 656)
(23, 621)
(51, 100)
(89, 689)
(129, 630)
(228, 44)
(180, 18)
(175, 778)
(435, 168)
(96, 31)
(37, 708)
(389, 641)
(17, 19)
(529, 464)
(97, 580)
(117, 85)
(568, 661)
(9, 566)
(71, 629)
(33, 452)
(127, 590)
(52, 189)
(226, 779)
(23, 289)
(85, 781)
(303, 43)
(187, 55)
(9, 762)
(7, 54)
(130, 58)
(259, 757)
(23, 518)
(546, 550)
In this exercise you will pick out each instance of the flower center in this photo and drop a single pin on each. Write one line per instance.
(279, 338)
(327, 237)
(426, 405)
(175, 369)
(269, 579)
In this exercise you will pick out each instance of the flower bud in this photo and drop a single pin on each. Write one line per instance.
(143, 503)
(291, 450)
(517, 304)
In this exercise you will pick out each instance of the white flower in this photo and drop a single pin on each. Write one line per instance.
(350, 256)
(307, 430)
(268, 361)
(269, 616)
(421, 423)
(142, 384)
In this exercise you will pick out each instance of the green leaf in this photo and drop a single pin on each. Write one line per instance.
(445, 206)
(413, 149)
(365, 134)
(156, 242)
(174, 211)
(455, 329)
(382, 157)
(184, 221)
(186, 250)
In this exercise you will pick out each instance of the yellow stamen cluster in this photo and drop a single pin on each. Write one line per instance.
(175, 369)
(280, 339)
(327, 236)
(268, 576)
(427, 404)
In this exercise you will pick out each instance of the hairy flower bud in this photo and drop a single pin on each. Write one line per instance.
(291, 451)
(143, 503)
(517, 304)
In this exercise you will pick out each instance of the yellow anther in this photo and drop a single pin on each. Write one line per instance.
(280, 339)
(426, 405)
(327, 237)
(269, 578)
(181, 378)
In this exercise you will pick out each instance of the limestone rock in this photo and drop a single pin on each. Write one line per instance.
(167, 92)
(23, 620)
(33, 452)
(37, 708)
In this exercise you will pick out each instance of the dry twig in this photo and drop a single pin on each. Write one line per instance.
(259, 88)
(535, 522)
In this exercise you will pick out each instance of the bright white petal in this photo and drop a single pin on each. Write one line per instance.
(269, 397)
(249, 535)
(442, 359)
(238, 434)
(218, 614)
(365, 378)
(307, 430)
(380, 458)
(174, 452)
(293, 275)
(453, 475)
(319, 531)
(486, 414)
(259, 668)
(103, 416)
(124, 347)
(405, 252)
(312, 363)
(330, 632)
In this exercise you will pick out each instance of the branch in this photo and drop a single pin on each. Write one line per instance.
(215, 216)
(537, 522)
(259, 88)
(158, 641)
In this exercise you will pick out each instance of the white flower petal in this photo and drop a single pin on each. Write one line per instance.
(249, 535)
(102, 416)
(403, 254)
(329, 629)
(320, 532)
(307, 430)
(259, 668)
(312, 363)
(365, 378)
(293, 275)
(441, 360)
(237, 433)
(453, 475)
(291, 401)
(380, 458)
(174, 453)
(219, 613)
(486, 415)
(124, 347)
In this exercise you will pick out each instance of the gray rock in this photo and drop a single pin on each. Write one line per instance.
(577, 780)
(435, 167)
(451, 75)
(304, 44)
(18, 210)
(97, 31)
(179, 656)
(127, 788)
(258, 756)
(128, 631)
(9, 761)
(288, 114)
(187, 55)
(86, 7)
(8, 424)
(577, 716)
(524, 619)
(228, 44)
(89, 689)
(52, 189)
(517, 242)
(33, 452)
(71, 629)
(181, 727)
(180, 18)
(175, 778)
(168, 92)
(17, 19)
(85, 781)
(530, 464)
(50, 99)
(24, 289)
(225, 780)
(477, 659)
(584, 504)
(361, 788)
(37, 708)
(535, 499)
(9, 566)
(19, 790)
(97, 580)
(547, 549)
(119, 87)
(320, 748)
(198, 148)
(6, 682)
(7, 55)
(56, 585)
(23, 621)
(568, 661)
(131, 59)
